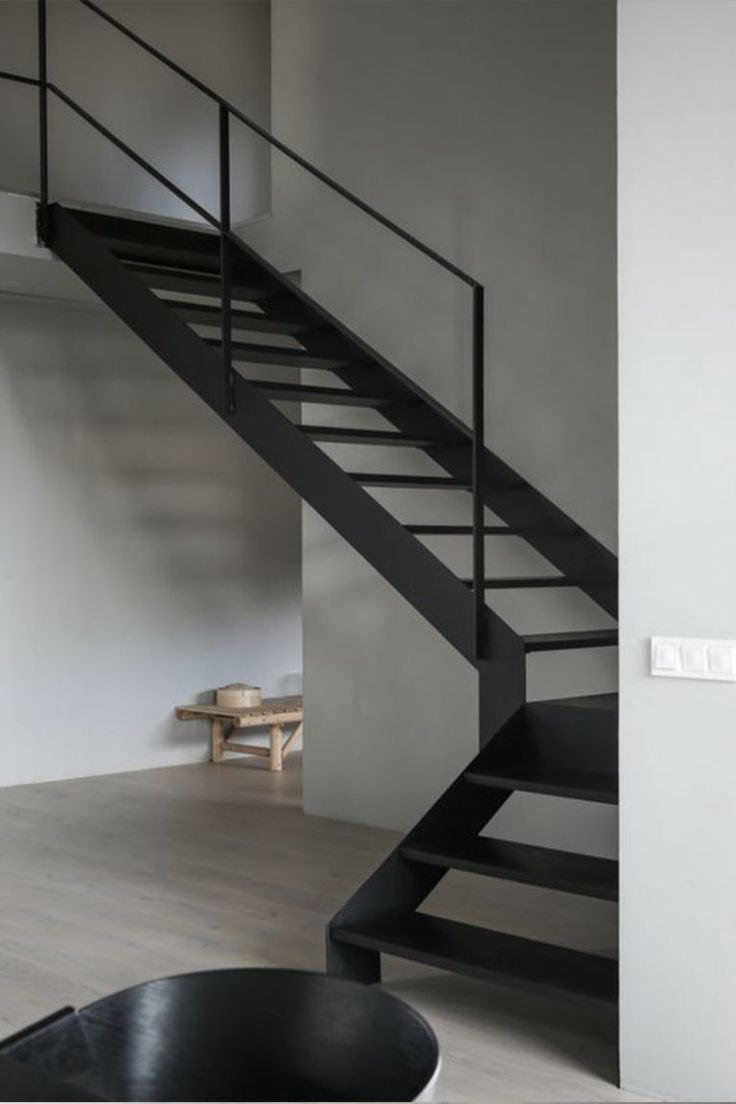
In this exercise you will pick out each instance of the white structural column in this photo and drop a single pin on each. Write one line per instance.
(677, 281)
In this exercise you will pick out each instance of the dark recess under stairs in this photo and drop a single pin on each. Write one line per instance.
(218, 315)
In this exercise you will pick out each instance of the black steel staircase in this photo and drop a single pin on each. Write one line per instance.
(218, 315)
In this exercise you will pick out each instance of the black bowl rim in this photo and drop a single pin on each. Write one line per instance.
(327, 979)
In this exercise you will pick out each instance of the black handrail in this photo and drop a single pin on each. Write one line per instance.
(225, 259)
(223, 225)
(19, 78)
(43, 124)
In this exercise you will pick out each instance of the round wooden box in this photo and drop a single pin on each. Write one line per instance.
(239, 695)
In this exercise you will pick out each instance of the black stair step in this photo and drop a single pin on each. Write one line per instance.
(195, 282)
(490, 955)
(565, 641)
(201, 259)
(607, 703)
(541, 582)
(158, 242)
(256, 353)
(340, 436)
(210, 314)
(521, 862)
(490, 531)
(539, 778)
(428, 482)
(334, 396)
(449, 530)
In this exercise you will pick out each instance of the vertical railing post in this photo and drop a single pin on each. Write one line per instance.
(225, 262)
(43, 125)
(478, 459)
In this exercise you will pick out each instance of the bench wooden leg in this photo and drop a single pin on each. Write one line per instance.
(218, 738)
(277, 759)
(292, 740)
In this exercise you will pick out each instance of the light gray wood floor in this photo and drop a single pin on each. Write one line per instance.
(108, 881)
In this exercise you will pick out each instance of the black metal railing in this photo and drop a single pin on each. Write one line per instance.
(222, 224)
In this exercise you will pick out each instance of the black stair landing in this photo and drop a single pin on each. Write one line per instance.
(520, 862)
(489, 955)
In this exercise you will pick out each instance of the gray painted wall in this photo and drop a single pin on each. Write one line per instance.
(225, 43)
(677, 280)
(488, 129)
(147, 555)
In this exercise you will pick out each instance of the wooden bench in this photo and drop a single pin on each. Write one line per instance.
(272, 713)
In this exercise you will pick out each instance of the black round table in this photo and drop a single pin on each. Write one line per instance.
(237, 1035)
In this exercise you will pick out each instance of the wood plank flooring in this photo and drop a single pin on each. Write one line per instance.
(108, 881)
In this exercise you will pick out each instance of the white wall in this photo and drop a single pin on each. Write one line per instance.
(677, 281)
(488, 129)
(147, 555)
(225, 43)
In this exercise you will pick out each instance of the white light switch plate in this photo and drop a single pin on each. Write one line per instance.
(689, 657)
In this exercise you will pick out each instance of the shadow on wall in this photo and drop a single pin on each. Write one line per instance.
(157, 472)
(148, 554)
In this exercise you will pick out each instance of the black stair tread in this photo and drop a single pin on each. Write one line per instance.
(154, 242)
(161, 278)
(274, 354)
(207, 260)
(245, 288)
(210, 314)
(537, 778)
(157, 238)
(338, 435)
(437, 482)
(449, 530)
(607, 702)
(522, 862)
(491, 530)
(337, 396)
(521, 582)
(491, 955)
(563, 641)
